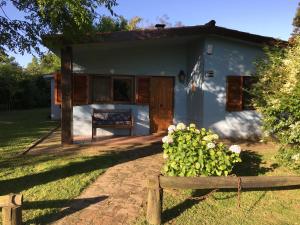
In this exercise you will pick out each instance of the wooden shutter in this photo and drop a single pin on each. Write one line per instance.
(143, 90)
(57, 88)
(80, 89)
(234, 93)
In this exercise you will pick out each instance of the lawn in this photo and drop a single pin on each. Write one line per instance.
(257, 207)
(48, 182)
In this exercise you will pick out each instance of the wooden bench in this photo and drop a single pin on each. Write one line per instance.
(122, 119)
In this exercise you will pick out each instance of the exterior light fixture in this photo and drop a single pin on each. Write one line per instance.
(182, 76)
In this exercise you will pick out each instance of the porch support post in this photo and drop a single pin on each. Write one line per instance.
(66, 93)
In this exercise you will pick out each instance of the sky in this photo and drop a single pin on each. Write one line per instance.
(264, 17)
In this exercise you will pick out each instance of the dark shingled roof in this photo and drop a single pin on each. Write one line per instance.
(208, 29)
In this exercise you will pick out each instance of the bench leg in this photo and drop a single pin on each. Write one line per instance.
(94, 132)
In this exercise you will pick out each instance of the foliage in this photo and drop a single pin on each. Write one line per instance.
(10, 75)
(277, 94)
(110, 24)
(70, 17)
(289, 157)
(192, 152)
(296, 21)
(48, 63)
(19, 89)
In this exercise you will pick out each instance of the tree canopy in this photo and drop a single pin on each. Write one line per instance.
(110, 24)
(70, 17)
(296, 21)
(47, 63)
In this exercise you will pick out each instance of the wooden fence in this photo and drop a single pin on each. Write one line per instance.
(157, 184)
(11, 209)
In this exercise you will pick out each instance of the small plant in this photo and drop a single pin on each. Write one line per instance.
(190, 152)
(289, 157)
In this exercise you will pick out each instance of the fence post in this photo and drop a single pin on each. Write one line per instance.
(12, 215)
(154, 204)
(11, 209)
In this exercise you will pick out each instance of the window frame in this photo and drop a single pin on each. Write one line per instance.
(242, 91)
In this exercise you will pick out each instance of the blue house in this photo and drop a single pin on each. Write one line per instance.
(196, 74)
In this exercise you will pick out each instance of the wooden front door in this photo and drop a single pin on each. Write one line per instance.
(161, 103)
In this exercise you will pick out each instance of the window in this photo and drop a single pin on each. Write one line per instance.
(238, 96)
(101, 89)
(80, 89)
(122, 89)
(143, 90)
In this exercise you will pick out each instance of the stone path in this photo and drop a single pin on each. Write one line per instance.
(120, 194)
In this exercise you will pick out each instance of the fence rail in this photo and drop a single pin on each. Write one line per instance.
(157, 184)
(11, 209)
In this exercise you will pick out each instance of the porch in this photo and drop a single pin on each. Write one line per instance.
(139, 76)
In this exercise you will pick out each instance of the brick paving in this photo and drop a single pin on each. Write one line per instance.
(119, 195)
(124, 185)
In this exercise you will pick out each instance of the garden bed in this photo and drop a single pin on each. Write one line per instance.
(257, 207)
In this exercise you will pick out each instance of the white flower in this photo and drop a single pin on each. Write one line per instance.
(235, 149)
(167, 139)
(211, 145)
(192, 125)
(180, 126)
(207, 138)
(296, 157)
(197, 131)
(171, 129)
(215, 136)
(165, 156)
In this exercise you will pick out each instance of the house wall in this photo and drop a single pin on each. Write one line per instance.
(82, 120)
(154, 59)
(55, 109)
(228, 58)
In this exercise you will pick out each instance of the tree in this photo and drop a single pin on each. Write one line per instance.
(296, 21)
(119, 23)
(10, 74)
(70, 17)
(48, 63)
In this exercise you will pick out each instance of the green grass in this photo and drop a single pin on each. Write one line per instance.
(262, 207)
(18, 129)
(48, 182)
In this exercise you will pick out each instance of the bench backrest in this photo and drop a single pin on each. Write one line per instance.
(112, 117)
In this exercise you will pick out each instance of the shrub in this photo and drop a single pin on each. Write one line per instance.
(277, 96)
(289, 157)
(189, 152)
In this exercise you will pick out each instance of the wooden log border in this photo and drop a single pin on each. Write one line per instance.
(11, 209)
(157, 184)
(38, 141)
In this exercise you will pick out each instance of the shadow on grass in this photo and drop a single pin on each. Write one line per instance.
(90, 164)
(250, 166)
(73, 206)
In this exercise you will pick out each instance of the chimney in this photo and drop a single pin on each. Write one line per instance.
(211, 23)
(160, 26)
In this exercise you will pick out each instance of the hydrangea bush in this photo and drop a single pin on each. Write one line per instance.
(190, 152)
